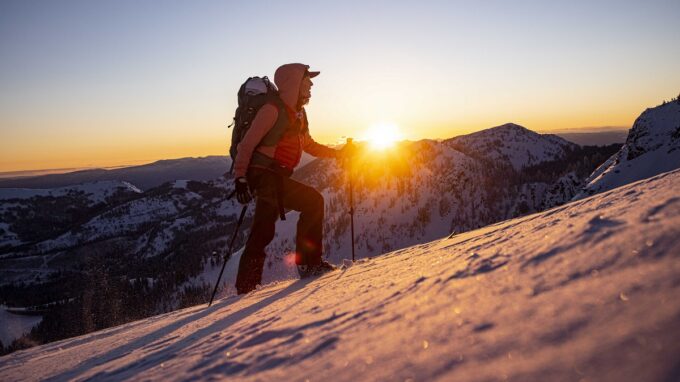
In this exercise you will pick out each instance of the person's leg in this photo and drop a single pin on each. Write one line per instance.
(261, 234)
(309, 239)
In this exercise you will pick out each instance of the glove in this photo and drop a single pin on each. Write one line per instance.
(242, 193)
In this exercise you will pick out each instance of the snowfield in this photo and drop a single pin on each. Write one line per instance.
(95, 192)
(585, 291)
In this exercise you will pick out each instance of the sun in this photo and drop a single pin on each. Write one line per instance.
(383, 135)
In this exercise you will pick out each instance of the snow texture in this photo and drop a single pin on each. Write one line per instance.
(96, 192)
(652, 147)
(129, 222)
(450, 188)
(585, 291)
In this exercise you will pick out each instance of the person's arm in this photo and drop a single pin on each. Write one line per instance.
(262, 123)
(317, 149)
(310, 146)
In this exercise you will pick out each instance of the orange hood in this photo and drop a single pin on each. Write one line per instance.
(288, 78)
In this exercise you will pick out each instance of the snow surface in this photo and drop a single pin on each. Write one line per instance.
(90, 194)
(516, 144)
(137, 212)
(180, 184)
(585, 291)
(97, 192)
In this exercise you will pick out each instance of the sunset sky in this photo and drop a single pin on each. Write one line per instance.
(104, 83)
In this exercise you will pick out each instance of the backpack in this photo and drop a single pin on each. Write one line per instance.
(252, 95)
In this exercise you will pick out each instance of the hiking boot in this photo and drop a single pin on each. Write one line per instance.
(315, 270)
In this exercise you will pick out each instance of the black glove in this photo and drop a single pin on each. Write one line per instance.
(242, 193)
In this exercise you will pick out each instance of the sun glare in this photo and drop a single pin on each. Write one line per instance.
(383, 135)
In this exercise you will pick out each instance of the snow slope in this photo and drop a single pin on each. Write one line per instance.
(443, 190)
(95, 192)
(21, 203)
(652, 147)
(585, 291)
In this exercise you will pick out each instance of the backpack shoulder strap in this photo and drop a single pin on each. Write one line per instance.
(280, 126)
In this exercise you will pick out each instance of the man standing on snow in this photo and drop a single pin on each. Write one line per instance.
(267, 156)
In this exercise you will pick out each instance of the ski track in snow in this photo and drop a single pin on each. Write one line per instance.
(584, 291)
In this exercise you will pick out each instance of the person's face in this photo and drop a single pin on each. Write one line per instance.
(306, 89)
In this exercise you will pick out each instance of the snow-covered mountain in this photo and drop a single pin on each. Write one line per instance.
(154, 250)
(427, 189)
(585, 291)
(27, 212)
(652, 147)
(93, 193)
(91, 256)
(138, 225)
(512, 143)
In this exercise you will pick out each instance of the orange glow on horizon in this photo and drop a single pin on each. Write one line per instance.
(138, 143)
(77, 97)
(383, 135)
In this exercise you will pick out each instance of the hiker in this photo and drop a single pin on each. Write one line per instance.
(267, 155)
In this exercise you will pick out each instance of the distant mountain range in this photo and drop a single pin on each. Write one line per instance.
(205, 168)
(145, 176)
(595, 138)
(120, 250)
(585, 291)
(429, 189)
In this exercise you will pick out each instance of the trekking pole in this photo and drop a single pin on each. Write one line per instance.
(228, 254)
(351, 197)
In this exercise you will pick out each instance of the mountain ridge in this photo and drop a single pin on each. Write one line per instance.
(513, 143)
(144, 176)
(523, 299)
(159, 250)
(652, 147)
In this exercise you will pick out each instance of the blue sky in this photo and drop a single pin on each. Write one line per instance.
(96, 82)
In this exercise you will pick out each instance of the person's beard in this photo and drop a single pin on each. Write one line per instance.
(303, 101)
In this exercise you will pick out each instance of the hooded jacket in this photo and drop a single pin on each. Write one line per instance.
(287, 151)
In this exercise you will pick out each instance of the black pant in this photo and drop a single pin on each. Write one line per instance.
(295, 196)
